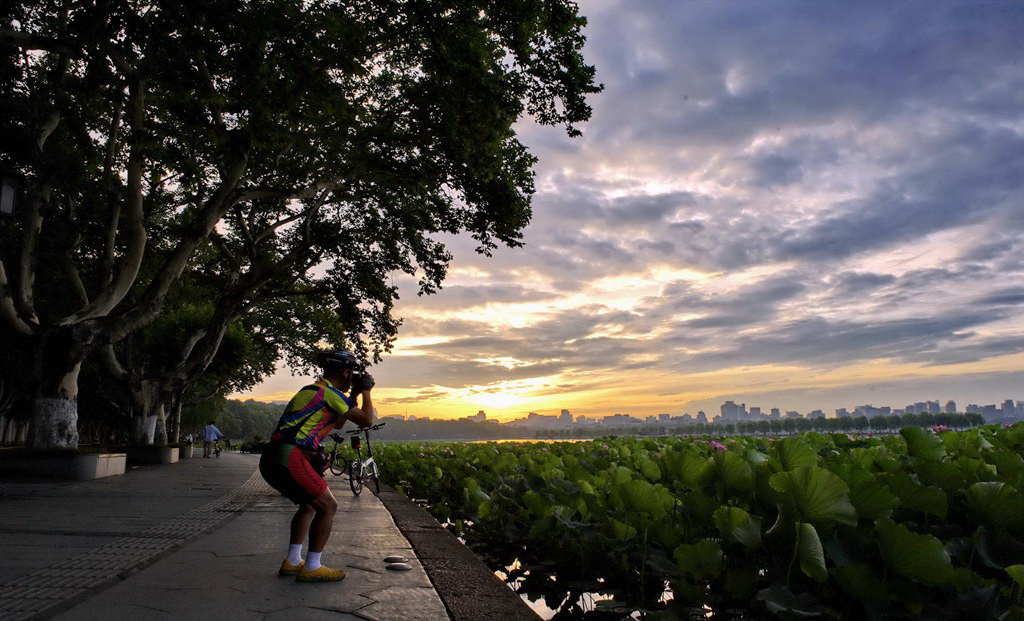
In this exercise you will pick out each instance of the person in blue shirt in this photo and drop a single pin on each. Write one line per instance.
(210, 434)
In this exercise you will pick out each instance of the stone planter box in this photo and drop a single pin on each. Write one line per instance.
(83, 467)
(185, 452)
(152, 455)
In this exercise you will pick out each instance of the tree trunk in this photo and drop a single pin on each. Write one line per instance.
(54, 424)
(143, 428)
(160, 433)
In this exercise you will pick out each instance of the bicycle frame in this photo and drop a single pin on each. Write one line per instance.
(359, 469)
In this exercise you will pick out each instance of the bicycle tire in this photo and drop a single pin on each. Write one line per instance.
(355, 477)
(337, 465)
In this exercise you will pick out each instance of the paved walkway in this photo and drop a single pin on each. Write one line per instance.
(201, 539)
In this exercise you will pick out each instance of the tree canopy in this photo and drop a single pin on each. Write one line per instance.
(271, 151)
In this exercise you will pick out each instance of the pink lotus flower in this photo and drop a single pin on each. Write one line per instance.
(849, 437)
(718, 446)
(940, 428)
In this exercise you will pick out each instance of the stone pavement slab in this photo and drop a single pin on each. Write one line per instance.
(232, 572)
(201, 539)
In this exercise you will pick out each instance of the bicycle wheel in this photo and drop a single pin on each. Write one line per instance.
(337, 465)
(355, 476)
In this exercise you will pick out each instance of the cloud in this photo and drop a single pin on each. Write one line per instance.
(811, 184)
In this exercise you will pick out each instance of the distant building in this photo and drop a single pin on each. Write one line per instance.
(702, 417)
(755, 412)
(792, 414)
(816, 414)
(664, 418)
(776, 413)
(950, 407)
(842, 413)
(565, 418)
(732, 413)
(933, 407)
(479, 417)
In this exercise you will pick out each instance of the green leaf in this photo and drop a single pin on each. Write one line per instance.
(792, 453)
(944, 475)
(810, 553)
(816, 495)
(862, 582)
(1017, 573)
(868, 495)
(484, 509)
(688, 467)
(913, 555)
(781, 601)
(649, 469)
(699, 561)
(732, 472)
(737, 525)
(917, 497)
(997, 504)
(923, 444)
(641, 496)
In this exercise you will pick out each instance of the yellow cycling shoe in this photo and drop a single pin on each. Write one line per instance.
(287, 569)
(322, 573)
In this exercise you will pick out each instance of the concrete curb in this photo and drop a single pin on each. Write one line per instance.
(468, 588)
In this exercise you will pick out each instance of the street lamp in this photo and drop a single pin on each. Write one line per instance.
(8, 191)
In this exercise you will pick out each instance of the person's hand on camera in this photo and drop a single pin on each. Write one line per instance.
(361, 382)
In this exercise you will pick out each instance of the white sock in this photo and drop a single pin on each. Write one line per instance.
(295, 553)
(312, 561)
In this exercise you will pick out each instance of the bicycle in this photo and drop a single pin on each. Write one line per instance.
(360, 470)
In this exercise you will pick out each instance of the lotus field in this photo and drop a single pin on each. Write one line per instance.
(920, 525)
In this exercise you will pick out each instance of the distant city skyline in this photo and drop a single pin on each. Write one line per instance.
(806, 204)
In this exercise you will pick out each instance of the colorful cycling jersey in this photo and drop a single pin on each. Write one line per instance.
(311, 414)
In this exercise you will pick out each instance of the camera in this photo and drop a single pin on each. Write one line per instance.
(361, 382)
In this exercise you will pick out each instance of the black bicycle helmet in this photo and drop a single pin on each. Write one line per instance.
(340, 359)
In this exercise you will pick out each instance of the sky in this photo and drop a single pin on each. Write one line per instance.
(799, 205)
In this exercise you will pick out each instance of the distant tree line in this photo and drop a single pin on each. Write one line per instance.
(779, 426)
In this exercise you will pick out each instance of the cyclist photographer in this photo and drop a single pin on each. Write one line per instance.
(288, 461)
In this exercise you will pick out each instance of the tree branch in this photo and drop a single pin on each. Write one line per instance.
(152, 300)
(29, 41)
(33, 224)
(128, 271)
(7, 308)
(67, 258)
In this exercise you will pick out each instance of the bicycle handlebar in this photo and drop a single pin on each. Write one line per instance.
(358, 430)
(339, 438)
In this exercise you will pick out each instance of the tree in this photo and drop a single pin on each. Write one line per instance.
(288, 135)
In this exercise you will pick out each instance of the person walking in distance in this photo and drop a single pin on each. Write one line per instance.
(210, 434)
(287, 462)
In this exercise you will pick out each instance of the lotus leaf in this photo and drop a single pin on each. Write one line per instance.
(781, 601)
(922, 444)
(916, 556)
(1016, 572)
(737, 525)
(810, 553)
(1009, 465)
(997, 505)
(649, 469)
(862, 582)
(816, 495)
(699, 561)
(917, 497)
(687, 466)
(732, 472)
(868, 495)
(792, 453)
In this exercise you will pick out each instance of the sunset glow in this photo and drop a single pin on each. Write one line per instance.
(740, 222)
